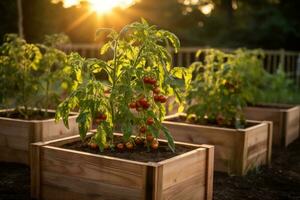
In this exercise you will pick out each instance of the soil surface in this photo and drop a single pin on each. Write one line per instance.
(280, 182)
(278, 106)
(139, 153)
(33, 115)
(183, 119)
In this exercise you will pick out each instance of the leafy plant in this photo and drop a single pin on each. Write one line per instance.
(277, 88)
(223, 84)
(53, 71)
(18, 64)
(139, 80)
(31, 74)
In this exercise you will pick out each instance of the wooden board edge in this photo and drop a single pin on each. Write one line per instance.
(272, 109)
(73, 115)
(209, 172)
(270, 142)
(35, 171)
(242, 160)
(157, 193)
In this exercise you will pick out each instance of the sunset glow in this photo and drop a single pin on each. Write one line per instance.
(104, 6)
(99, 6)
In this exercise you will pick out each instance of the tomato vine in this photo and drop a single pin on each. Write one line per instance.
(140, 78)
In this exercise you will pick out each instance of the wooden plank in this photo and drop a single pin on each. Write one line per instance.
(89, 187)
(79, 175)
(270, 139)
(187, 176)
(285, 122)
(158, 180)
(108, 171)
(224, 141)
(231, 145)
(267, 114)
(175, 172)
(291, 128)
(35, 170)
(16, 135)
(193, 186)
(3, 141)
(13, 155)
(52, 130)
(258, 147)
(17, 129)
(209, 172)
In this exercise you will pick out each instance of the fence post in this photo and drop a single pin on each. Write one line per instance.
(298, 71)
(281, 59)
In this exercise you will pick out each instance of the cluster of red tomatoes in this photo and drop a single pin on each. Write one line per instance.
(131, 144)
(139, 105)
(142, 103)
(101, 117)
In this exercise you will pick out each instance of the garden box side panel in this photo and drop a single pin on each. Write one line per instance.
(78, 175)
(285, 122)
(16, 136)
(234, 152)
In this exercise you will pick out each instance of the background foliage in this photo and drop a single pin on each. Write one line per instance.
(232, 23)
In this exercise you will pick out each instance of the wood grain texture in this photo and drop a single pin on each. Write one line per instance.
(285, 122)
(16, 135)
(232, 146)
(80, 175)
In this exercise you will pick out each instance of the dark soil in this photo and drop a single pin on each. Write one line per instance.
(183, 119)
(33, 115)
(279, 106)
(14, 181)
(139, 153)
(280, 182)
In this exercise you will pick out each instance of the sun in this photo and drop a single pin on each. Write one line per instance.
(105, 6)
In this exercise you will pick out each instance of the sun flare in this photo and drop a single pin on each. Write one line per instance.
(105, 6)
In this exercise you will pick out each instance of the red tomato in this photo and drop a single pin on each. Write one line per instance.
(107, 91)
(154, 144)
(143, 101)
(162, 98)
(129, 145)
(138, 106)
(149, 137)
(146, 106)
(143, 129)
(132, 105)
(156, 98)
(152, 81)
(93, 145)
(150, 121)
(156, 90)
(102, 116)
(146, 80)
(120, 146)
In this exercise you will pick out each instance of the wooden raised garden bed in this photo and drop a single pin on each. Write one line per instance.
(236, 150)
(17, 134)
(285, 120)
(59, 173)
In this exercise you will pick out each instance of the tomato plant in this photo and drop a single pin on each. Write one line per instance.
(31, 74)
(18, 64)
(140, 63)
(223, 84)
(278, 88)
(53, 71)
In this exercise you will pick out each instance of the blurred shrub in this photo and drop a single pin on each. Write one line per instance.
(30, 74)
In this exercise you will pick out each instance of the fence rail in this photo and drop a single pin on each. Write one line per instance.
(290, 60)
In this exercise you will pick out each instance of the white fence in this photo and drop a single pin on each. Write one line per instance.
(273, 58)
